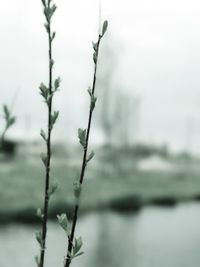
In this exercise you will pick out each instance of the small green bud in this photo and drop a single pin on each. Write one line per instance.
(53, 188)
(77, 247)
(43, 157)
(82, 136)
(6, 111)
(46, 25)
(10, 121)
(77, 189)
(49, 98)
(38, 236)
(93, 99)
(44, 91)
(91, 155)
(51, 63)
(95, 46)
(53, 36)
(43, 135)
(47, 12)
(105, 27)
(95, 58)
(54, 117)
(39, 213)
(64, 223)
(90, 91)
(43, 2)
(37, 260)
(53, 9)
(57, 83)
(93, 102)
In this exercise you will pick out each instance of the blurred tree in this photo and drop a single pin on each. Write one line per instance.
(126, 119)
(118, 111)
(106, 92)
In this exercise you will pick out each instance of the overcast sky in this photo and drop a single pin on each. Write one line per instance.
(158, 47)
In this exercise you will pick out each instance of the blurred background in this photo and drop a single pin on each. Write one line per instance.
(140, 202)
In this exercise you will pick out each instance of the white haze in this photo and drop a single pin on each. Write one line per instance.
(158, 59)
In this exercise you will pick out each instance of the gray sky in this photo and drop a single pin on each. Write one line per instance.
(158, 59)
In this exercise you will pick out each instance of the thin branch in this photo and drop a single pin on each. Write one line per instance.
(84, 136)
(47, 93)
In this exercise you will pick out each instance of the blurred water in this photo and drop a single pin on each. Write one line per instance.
(155, 237)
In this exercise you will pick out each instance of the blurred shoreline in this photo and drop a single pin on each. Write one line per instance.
(122, 188)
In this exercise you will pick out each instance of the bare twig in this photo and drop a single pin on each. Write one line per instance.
(84, 134)
(47, 93)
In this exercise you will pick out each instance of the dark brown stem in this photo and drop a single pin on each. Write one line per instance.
(84, 164)
(48, 144)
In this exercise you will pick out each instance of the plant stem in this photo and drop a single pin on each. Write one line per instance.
(48, 147)
(84, 163)
(9, 120)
